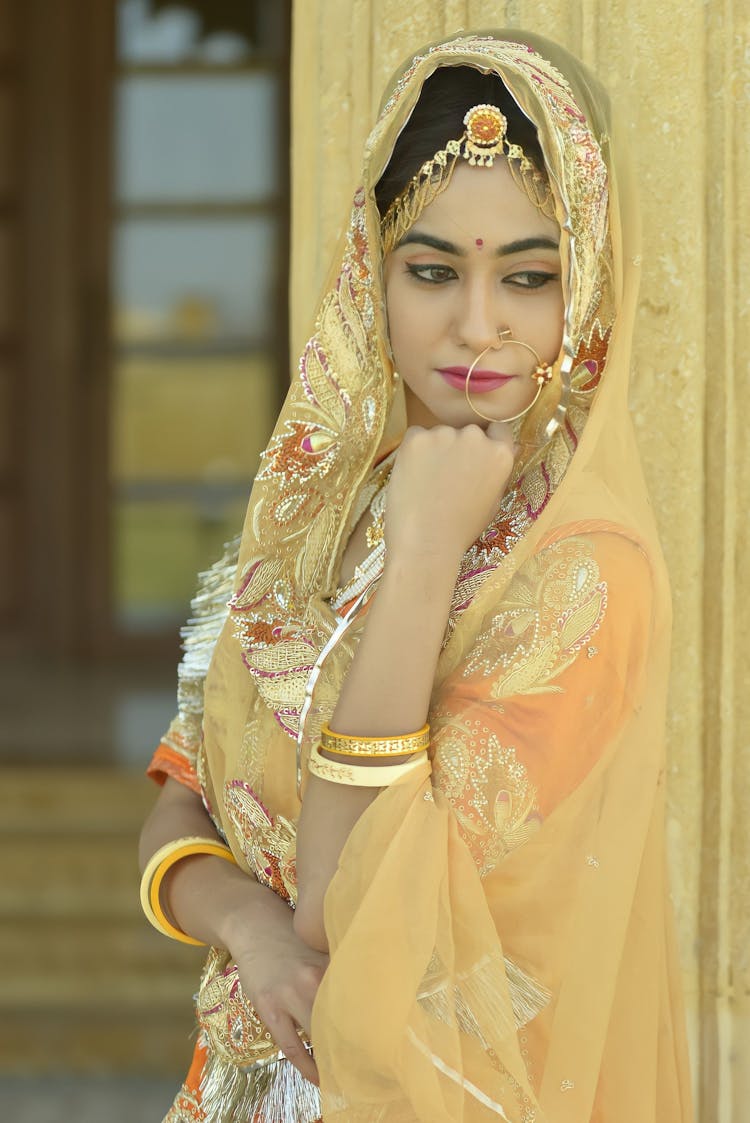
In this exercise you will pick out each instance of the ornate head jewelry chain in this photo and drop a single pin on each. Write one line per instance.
(483, 140)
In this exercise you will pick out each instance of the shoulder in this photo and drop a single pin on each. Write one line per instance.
(602, 571)
(620, 555)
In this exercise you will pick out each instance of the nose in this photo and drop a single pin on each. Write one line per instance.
(479, 317)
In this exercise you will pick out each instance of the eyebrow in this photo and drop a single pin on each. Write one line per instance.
(414, 237)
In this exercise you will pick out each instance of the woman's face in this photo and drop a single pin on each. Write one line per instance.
(480, 259)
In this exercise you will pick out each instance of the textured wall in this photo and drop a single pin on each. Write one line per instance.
(679, 74)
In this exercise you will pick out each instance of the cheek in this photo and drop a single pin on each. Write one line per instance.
(406, 321)
(544, 322)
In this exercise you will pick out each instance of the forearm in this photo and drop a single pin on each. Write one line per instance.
(208, 898)
(388, 687)
(386, 692)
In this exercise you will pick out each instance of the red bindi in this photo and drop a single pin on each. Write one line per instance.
(479, 243)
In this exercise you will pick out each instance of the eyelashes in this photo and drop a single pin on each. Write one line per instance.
(529, 279)
(536, 279)
(427, 273)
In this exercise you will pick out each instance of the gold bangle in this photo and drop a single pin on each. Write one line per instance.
(156, 869)
(348, 745)
(361, 775)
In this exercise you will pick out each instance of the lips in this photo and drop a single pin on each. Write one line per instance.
(482, 381)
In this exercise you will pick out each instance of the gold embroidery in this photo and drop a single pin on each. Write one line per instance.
(268, 842)
(553, 607)
(253, 753)
(185, 1109)
(492, 798)
(551, 610)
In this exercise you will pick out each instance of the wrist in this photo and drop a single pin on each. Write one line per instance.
(433, 570)
(246, 913)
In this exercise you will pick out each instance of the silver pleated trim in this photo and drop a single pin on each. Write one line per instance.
(209, 610)
(272, 1090)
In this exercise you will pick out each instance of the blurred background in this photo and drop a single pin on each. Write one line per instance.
(154, 157)
(143, 355)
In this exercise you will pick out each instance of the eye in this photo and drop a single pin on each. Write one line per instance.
(431, 274)
(531, 279)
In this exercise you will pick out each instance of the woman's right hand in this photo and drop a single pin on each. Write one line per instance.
(220, 904)
(445, 486)
(280, 976)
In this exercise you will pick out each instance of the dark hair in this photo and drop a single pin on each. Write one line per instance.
(438, 117)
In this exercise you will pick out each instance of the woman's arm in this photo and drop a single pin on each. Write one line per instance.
(203, 894)
(217, 902)
(386, 692)
(445, 486)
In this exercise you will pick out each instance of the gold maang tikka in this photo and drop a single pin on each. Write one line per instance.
(483, 140)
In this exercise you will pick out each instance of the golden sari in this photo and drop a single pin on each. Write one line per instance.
(499, 924)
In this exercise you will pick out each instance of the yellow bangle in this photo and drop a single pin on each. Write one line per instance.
(361, 775)
(156, 869)
(348, 745)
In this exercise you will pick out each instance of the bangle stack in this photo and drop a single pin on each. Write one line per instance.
(368, 748)
(156, 870)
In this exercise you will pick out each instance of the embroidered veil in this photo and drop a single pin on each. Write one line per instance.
(500, 928)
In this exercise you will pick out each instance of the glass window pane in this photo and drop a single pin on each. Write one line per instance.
(180, 139)
(187, 438)
(197, 279)
(191, 418)
(160, 547)
(177, 33)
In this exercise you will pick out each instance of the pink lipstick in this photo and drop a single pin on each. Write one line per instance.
(482, 381)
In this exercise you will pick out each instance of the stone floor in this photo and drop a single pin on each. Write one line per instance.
(85, 1100)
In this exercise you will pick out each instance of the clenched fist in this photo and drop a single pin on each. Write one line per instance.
(445, 486)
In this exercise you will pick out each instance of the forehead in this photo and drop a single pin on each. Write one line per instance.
(488, 198)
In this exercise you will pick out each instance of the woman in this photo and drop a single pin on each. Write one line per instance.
(449, 530)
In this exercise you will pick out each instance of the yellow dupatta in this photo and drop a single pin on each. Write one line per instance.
(500, 931)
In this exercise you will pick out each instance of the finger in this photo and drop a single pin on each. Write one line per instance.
(501, 432)
(301, 1014)
(299, 1003)
(285, 1035)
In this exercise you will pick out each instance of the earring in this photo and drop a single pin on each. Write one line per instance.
(542, 374)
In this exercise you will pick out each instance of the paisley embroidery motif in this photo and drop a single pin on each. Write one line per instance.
(590, 359)
(304, 488)
(551, 610)
(267, 842)
(492, 798)
(548, 615)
